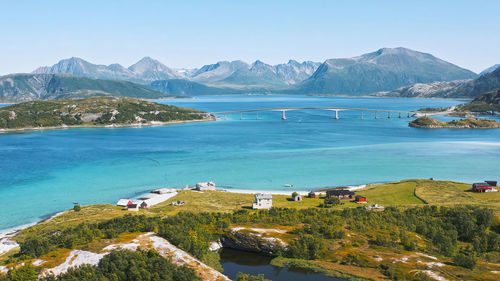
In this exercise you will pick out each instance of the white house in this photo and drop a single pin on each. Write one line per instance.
(205, 186)
(263, 201)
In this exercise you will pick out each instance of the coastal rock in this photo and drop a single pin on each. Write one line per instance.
(252, 242)
(215, 246)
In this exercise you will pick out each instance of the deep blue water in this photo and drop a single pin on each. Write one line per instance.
(44, 172)
(233, 262)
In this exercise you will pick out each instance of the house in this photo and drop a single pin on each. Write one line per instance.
(481, 187)
(263, 201)
(297, 197)
(311, 194)
(340, 194)
(143, 205)
(360, 199)
(205, 186)
(123, 202)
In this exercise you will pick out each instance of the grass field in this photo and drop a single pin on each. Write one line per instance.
(402, 193)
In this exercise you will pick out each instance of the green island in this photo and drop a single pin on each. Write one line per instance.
(468, 123)
(428, 230)
(93, 112)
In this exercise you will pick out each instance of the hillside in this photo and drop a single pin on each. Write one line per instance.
(27, 87)
(453, 89)
(183, 87)
(482, 104)
(383, 70)
(97, 111)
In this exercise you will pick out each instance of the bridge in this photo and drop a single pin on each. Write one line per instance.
(336, 109)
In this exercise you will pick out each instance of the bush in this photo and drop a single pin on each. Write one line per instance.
(466, 258)
(77, 208)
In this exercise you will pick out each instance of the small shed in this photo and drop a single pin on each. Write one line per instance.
(360, 199)
(144, 205)
(311, 194)
(297, 197)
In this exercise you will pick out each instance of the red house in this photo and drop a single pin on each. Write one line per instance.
(481, 187)
(360, 199)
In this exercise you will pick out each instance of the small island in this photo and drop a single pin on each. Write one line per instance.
(93, 112)
(469, 123)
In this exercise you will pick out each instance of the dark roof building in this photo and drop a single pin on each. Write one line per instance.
(340, 193)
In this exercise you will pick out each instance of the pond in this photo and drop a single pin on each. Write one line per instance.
(234, 261)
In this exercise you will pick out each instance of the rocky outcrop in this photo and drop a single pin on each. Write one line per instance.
(252, 242)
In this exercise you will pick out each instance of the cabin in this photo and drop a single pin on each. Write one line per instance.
(297, 197)
(263, 201)
(360, 199)
(311, 194)
(201, 186)
(143, 205)
(340, 194)
(481, 187)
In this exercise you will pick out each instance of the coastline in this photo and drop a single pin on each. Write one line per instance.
(112, 126)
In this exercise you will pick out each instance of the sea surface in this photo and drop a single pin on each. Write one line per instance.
(44, 172)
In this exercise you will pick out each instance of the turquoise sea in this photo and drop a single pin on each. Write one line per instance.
(45, 172)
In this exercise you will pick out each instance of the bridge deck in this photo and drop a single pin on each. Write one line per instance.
(322, 108)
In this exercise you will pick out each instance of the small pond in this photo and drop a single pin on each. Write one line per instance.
(234, 261)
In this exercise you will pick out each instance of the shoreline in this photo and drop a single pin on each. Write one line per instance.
(112, 126)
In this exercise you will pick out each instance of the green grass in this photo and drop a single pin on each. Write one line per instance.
(398, 193)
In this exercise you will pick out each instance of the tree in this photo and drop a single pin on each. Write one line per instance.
(23, 273)
(466, 258)
(77, 208)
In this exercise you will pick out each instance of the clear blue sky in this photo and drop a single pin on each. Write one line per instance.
(193, 33)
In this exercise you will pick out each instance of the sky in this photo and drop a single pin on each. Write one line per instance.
(189, 34)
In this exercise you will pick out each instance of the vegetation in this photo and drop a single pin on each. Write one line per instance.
(119, 265)
(433, 109)
(91, 112)
(427, 122)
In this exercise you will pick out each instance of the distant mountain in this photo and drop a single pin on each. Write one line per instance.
(28, 87)
(148, 69)
(239, 74)
(383, 70)
(489, 69)
(183, 87)
(454, 89)
(144, 71)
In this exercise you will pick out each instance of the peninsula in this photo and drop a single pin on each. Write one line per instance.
(93, 112)
(469, 123)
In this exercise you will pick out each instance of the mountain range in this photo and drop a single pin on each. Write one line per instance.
(385, 72)
(27, 87)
